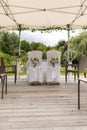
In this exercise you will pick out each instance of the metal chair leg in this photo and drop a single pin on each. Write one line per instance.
(78, 94)
(5, 84)
(2, 81)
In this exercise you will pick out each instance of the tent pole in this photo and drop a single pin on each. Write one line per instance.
(19, 60)
(19, 44)
(68, 29)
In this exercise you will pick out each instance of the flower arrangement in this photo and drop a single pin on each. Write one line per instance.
(35, 61)
(53, 61)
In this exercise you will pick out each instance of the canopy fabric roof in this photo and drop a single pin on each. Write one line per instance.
(42, 14)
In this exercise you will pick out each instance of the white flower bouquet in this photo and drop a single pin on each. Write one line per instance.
(53, 61)
(35, 61)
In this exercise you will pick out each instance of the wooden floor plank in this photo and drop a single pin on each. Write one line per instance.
(46, 107)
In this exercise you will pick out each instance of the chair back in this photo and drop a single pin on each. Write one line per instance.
(2, 65)
(83, 64)
(53, 54)
(34, 54)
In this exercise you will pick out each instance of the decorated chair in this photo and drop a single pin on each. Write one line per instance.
(53, 66)
(10, 69)
(76, 69)
(34, 69)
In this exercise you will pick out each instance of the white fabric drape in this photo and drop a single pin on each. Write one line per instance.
(34, 74)
(53, 73)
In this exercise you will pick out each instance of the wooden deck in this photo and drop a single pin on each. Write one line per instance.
(46, 107)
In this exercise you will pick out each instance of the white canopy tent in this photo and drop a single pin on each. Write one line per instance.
(42, 14)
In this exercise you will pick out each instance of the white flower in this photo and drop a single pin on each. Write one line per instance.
(35, 61)
(53, 61)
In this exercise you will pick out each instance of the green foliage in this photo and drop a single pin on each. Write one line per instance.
(8, 59)
(34, 46)
(62, 46)
(9, 43)
(78, 46)
(25, 46)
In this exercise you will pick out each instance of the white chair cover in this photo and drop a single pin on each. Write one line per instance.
(53, 73)
(34, 74)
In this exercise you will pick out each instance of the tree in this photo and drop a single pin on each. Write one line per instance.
(34, 46)
(25, 46)
(62, 46)
(42, 48)
(9, 43)
(78, 46)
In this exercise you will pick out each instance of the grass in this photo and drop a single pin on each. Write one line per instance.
(62, 73)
